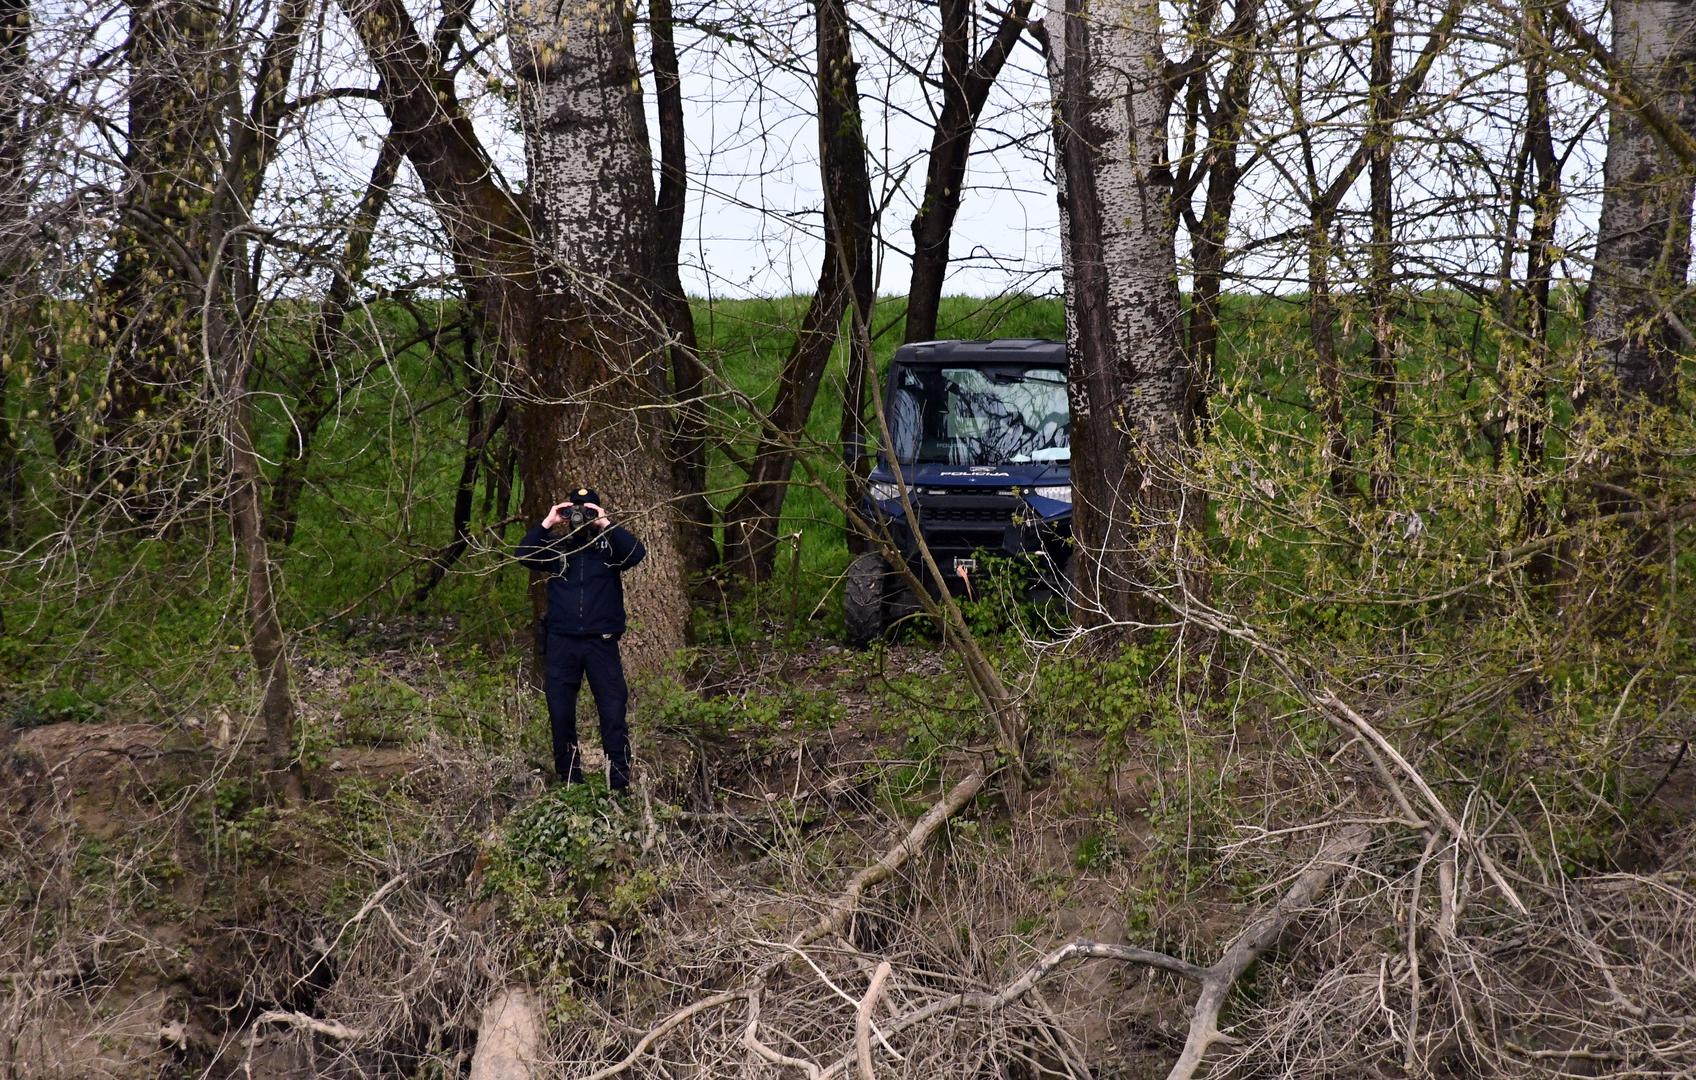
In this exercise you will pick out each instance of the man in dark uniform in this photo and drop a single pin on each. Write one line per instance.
(583, 553)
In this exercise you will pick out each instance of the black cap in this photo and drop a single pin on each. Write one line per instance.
(579, 496)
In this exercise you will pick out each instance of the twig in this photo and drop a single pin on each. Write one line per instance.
(655, 1033)
(863, 1021)
(751, 1039)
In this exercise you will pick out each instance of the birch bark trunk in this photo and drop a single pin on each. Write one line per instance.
(1643, 240)
(1130, 386)
(1628, 363)
(595, 356)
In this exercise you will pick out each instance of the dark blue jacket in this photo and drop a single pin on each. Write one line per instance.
(585, 593)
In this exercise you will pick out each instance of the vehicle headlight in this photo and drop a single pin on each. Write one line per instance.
(1057, 492)
(881, 492)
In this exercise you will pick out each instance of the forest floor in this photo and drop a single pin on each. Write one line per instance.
(170, 921)
(174, 907)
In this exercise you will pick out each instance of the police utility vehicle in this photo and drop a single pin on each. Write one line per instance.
(980, 433)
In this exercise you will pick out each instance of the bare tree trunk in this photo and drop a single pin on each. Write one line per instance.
(577, 335)
(1381, 139)
(1209, 236)
(688, 377)
(321, 394)
(16, 307)
(1643, 244)
(1130, 385)
(1322, 332)
(229, 306)
(965, 88)
(1529, 385)
(265, 628)
(1630, 356)
(1323, 202)
(750, 522)
(595, 358)
(487, 230)
(479, 429)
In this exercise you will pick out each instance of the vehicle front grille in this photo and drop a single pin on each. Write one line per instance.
(987, 515)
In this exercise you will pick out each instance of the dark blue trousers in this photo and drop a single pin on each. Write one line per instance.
(569, 659)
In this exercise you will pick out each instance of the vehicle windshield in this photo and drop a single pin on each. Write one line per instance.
(979, 416)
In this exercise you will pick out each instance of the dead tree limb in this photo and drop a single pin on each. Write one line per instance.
(1261, 934)
(842, 908)
(751, 1039)
(333, 1029)
(863, 1021)
(659, 1030)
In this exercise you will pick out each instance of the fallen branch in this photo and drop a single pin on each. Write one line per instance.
(657, 1032)
(333, 1029)
(989, 1001)
(1260, 935)
(751, 1039)
(1263, 932)
(1386, 748)
(863, 1021)
(1339, 713)
(842, 908)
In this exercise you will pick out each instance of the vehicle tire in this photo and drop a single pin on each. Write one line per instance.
(862, 603)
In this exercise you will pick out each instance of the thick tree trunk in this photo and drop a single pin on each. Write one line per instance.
(1630, 357)
(575, 337)
(149, 305)
(965, 88)
(1643, 242)
(1130, 387)
(595, 356)
(487, 229)
(688, 376)
(751, 520)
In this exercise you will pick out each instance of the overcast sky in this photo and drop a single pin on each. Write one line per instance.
(754, 210)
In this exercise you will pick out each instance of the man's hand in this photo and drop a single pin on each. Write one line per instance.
(601, 519)
(554, 516)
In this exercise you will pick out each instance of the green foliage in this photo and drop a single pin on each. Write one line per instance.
(54, 706)
(674, 708)
(235, 822)
(1110, 697)
(1001, 607)
(555, 851)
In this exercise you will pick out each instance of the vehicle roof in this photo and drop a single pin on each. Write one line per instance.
(981, 351)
